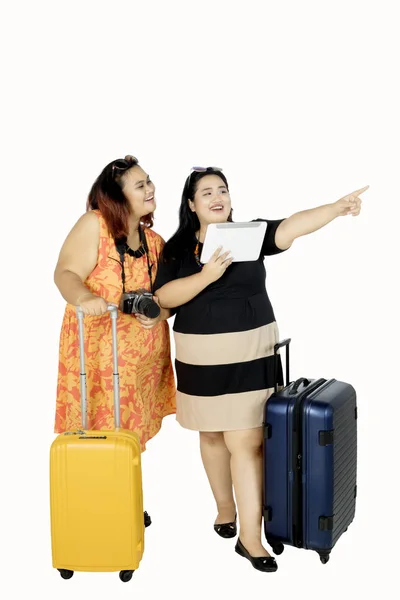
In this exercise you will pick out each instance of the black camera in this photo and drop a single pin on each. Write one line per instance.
(139, 302)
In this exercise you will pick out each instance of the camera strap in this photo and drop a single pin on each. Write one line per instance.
(122, 248)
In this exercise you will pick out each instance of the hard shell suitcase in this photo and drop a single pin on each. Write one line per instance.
(96, 500)
(310, 463)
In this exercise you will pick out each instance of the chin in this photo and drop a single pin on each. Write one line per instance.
(149, 208)
(219, 218)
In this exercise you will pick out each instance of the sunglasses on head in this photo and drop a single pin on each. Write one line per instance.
(123, 164)
(202, 170)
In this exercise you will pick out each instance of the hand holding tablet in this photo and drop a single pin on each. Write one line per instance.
(243, 240)
(217, 265)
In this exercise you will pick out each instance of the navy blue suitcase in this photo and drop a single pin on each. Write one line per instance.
(310, 462)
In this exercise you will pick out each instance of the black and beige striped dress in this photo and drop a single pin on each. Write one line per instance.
(224, 341)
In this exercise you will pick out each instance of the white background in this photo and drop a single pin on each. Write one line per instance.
(299, 103)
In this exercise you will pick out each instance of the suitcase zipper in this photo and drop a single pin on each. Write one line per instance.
(297, 462)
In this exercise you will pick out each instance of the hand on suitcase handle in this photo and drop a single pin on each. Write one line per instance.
(110, 308)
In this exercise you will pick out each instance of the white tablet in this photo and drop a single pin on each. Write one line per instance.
(243, 240)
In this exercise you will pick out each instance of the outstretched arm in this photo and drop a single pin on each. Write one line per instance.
(307, 221)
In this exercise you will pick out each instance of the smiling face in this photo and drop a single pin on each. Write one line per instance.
(211, 202)
(139, 191)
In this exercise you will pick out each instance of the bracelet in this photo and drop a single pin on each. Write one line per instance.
(82, 296)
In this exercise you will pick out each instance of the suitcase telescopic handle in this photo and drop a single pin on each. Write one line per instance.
(113, 310)
(282, 344)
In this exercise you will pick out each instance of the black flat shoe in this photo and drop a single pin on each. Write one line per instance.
(226, 530)
(263, 563)
(147, 519)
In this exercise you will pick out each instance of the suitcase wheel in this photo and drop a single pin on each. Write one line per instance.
(126, 576)
(147, 519)
(277, 548)
(324, 558)
(65, 574)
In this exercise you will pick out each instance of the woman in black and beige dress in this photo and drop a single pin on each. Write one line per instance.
(225, 332)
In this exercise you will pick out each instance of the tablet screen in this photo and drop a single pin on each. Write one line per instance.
(243, 240)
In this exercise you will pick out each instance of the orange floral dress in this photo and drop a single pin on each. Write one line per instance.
(146, 376)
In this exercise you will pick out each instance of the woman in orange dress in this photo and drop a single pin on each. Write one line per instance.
(89, 273)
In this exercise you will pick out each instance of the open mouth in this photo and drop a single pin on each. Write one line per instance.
(150, 199)
(217, 208)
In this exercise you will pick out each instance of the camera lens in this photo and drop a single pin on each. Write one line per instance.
(148, 308)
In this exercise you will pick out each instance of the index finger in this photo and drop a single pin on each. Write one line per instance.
(358, 192)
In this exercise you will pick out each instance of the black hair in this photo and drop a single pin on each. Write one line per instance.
(184, 239)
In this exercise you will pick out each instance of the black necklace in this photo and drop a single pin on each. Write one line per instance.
(135, 253)
(122, 247)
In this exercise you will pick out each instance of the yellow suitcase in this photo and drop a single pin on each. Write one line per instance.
(96, 500)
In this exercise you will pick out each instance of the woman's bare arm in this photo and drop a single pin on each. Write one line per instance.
(77, 259)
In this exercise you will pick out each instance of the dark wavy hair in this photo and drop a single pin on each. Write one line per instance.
(184, 239)
(108, 197)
